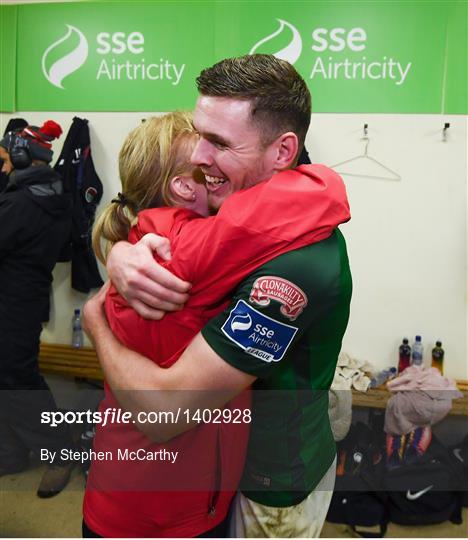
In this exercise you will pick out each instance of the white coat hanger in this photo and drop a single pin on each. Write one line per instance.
(392, 175)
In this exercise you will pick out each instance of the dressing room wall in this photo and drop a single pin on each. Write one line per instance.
(407, 238)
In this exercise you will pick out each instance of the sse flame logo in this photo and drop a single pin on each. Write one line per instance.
(69, 63)
(241, 322)
(291, 52)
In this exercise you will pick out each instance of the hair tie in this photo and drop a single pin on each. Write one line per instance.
(121, 199)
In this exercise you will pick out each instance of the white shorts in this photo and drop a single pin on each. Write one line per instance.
(304, 520)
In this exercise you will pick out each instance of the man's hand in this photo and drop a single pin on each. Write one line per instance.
(94, 318)
(150, 289)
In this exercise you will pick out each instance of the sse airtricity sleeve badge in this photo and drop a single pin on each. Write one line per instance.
(257, 334)
(292, 298)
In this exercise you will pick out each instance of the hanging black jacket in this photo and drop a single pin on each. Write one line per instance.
(35, 221)
(76, 167)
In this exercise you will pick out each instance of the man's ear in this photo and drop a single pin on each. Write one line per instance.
(286, 146)
(182, 188)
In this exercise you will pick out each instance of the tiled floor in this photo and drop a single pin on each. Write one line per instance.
(23, 514)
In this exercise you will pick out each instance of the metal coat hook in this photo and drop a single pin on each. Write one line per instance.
(366, 138)
(444, 131)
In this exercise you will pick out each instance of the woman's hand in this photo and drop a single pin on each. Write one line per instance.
(150, 289)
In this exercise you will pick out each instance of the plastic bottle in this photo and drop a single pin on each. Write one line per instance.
(383, 376)
(418, 352)
(438, 357)
(77, 339)
(404, 356)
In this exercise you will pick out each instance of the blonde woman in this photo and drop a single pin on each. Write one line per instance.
(161, 194)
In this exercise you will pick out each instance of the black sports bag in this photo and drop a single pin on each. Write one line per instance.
(358, 500)
(427, 491)
(460, 451)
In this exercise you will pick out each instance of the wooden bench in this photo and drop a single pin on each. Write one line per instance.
(67, 361)
(64, 360)
(378, 397)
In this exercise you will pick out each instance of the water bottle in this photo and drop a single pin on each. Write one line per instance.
(418, 351)
(77, 339)
(438, 357)
(404, 356)
(383, 376)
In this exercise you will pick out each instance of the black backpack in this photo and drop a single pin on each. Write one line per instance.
(358, 499)
(427, 491)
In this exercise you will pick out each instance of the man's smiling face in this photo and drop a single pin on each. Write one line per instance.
(229, 150)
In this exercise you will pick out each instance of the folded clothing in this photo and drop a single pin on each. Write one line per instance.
(422, 397)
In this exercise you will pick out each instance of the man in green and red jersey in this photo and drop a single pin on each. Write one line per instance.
(284, 327)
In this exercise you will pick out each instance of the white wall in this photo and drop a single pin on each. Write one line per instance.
(407, 240)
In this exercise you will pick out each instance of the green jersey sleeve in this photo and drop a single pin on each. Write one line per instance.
(273, 308)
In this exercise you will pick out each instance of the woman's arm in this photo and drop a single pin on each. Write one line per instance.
(293, 209)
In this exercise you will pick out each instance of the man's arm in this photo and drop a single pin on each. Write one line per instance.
(200, 379)
(150, 289)
(317, 204)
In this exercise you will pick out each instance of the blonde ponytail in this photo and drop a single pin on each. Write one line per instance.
(112, 225)
(153, 153)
